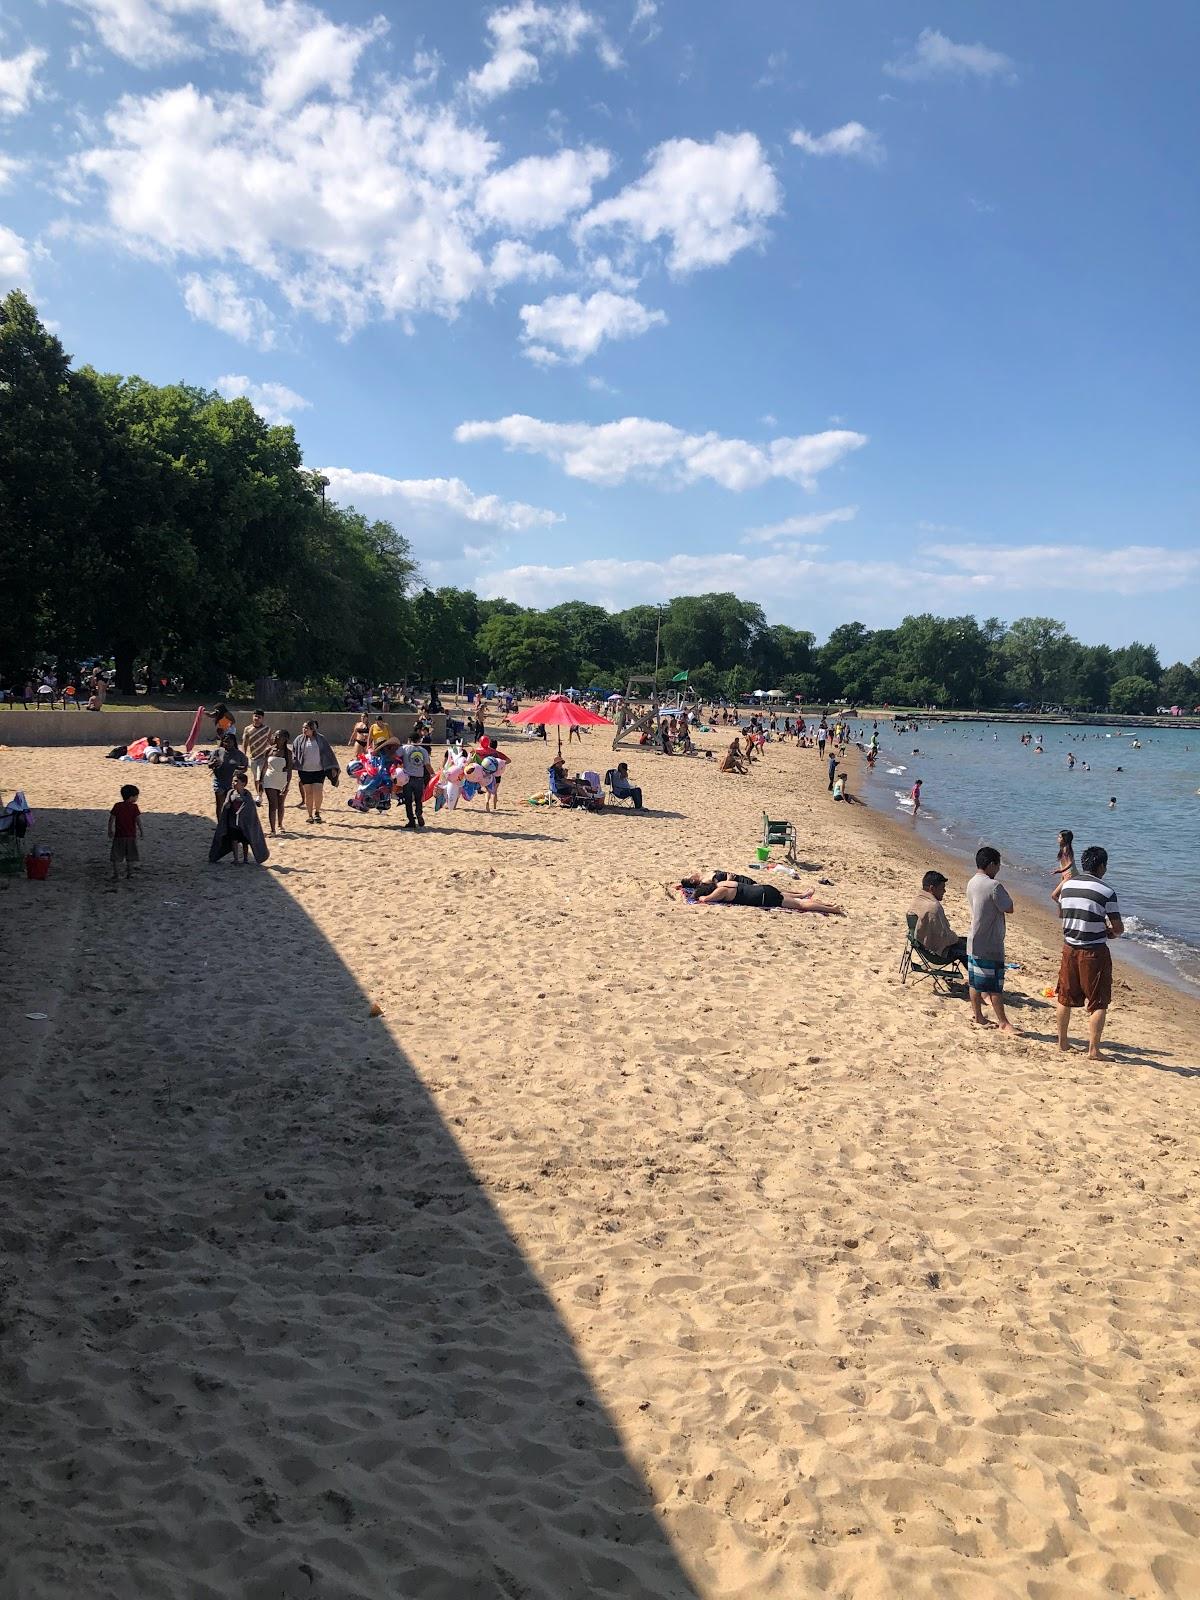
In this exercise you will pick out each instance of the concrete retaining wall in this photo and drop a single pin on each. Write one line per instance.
(109, 728)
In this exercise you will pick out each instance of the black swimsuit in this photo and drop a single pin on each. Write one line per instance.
(764, 895)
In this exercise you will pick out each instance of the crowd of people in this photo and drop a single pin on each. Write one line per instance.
(264, 762)
(79, 689)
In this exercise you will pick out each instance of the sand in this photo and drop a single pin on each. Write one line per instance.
(633, 1250)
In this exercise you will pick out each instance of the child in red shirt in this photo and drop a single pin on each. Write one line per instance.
(125, 829)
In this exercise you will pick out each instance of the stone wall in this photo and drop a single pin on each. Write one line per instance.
(109, 728)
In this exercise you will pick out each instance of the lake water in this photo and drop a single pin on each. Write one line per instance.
(982, 786)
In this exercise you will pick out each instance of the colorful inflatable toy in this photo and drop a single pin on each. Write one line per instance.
(376, 777)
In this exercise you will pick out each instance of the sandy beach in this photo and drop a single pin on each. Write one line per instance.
(633, 1249)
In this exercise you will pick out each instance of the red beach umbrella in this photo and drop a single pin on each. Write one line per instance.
(560, 711)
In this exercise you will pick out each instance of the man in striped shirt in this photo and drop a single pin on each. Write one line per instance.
(256, 744)
(1090, 918)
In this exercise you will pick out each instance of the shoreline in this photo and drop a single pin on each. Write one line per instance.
(1035, 915)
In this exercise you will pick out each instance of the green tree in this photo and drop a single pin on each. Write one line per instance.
(1091, 676)
(1132, 696)
(1137, 660)
(49, 471)
(594, 634)
(638, 627)
(1038, 652)
(528, 649)
(443, 625)
(1179, 686)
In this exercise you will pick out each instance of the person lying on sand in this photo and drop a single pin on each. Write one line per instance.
(732, 889)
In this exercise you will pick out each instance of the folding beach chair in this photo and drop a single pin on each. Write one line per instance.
(609, 778)
(778, 832)
(922, 963)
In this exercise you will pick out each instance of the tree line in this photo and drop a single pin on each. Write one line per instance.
(174, 530)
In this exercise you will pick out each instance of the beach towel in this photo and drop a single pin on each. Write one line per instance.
(244, 817)
(195, 730)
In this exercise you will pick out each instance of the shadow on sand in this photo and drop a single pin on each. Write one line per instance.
(264, 1333)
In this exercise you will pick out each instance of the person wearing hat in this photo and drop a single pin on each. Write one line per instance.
(933, 929)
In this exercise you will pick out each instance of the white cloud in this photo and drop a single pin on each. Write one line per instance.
(218, 300)
(783, 580)
(439, 494)
(9, 167)
(799, 527)
(851, 139)
(576, 328)
(645, 15)
(513, 260)
(635, 447)
(356, 204)
(524, 34)
(1129, 569)
(295, 47)
(16, 261)
(709, 200)
(351, 210)
(789, 581)
(773, 72)
(540, 191)
(140, 31)
(623, 276)
(936, 56)
(19, 81)
(274, 402)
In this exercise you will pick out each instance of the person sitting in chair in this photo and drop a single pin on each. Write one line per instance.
(564, 786)
(933, 931)
(623, 789)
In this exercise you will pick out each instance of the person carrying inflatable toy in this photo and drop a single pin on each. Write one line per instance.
(415, 766)
(491, 762)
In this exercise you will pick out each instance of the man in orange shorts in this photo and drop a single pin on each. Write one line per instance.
(1090, 918)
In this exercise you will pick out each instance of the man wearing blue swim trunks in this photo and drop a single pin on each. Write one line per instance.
(990, 904)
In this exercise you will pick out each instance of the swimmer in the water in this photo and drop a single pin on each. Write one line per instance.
(1112, 802)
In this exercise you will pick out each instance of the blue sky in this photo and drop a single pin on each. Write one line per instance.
(857, 310)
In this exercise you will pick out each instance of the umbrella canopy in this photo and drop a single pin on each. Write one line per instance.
(561, 712)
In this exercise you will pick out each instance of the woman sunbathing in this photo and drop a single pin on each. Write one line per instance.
(732, 889)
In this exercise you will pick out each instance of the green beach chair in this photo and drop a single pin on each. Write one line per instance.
(779, 833)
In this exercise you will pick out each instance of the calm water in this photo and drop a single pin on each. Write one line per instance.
(982, 786)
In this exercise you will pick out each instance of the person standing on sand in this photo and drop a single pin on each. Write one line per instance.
(225, 762)
(125, 829)
(277, 778)
(1090, 918)
(833, 763)
(990, 903)
(416, 765)
(313, 757)
(256, 746)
